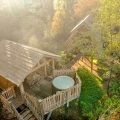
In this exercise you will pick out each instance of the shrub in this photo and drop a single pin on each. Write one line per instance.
(91, 93)
(115, 88)
(109, 108)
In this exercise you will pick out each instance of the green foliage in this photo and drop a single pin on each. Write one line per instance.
(91, 93)
(108, 20)
(115, 88)
(86, 43)
(109, 108)
(67, 57)
(72, 113)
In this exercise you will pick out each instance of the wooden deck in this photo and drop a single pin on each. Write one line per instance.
(41, 89)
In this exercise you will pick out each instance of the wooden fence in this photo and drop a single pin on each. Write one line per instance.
(9, 93)
(64, 72)
(60, 98)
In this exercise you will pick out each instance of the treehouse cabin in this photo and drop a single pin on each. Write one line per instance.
(27, 80)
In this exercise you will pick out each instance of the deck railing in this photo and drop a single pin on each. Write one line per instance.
(34, 106)
(44, 106)
(51, 103)
(9, 93)
(64, 72)
(60, 98)
(9, 106)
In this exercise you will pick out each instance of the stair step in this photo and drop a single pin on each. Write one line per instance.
(26, 109)
(32, 118)
(28, 116)
(25, 113)
(21, 108)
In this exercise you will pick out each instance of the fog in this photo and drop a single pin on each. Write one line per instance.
(44, 24)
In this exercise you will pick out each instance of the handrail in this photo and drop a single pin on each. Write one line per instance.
(5, 103)
(19, 117)
(9, 93)
(34, 106)
(69, 72)
(10, 107)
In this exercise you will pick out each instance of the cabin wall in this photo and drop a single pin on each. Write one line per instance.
(4, 83)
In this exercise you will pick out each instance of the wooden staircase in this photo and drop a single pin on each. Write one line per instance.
(25, 112)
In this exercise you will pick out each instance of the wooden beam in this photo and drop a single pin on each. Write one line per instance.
(22, 88)
(53, 64)
(45, 70)
(40, 65)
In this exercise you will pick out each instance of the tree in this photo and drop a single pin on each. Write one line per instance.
(82, 6)
(109, 25)
(59, 14)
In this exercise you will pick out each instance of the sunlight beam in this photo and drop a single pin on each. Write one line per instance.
(80, 23)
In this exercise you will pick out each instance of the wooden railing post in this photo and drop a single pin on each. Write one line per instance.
(53, 64)
(22, 88)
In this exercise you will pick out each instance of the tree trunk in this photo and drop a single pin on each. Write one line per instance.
(91, 64)
(109, 80)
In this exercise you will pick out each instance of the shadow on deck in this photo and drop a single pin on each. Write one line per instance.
(41, 89)
(17, 101)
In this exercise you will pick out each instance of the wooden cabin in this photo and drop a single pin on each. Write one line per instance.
(26, 76)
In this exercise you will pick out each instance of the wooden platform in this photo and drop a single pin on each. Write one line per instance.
(41, 89)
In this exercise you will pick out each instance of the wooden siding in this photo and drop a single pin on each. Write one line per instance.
(4, 83)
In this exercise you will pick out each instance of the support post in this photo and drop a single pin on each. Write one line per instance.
(53, 64)
(45, 70)
(22, 89)
(49, 115)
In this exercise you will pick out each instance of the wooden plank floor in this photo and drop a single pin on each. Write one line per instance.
(40, 90)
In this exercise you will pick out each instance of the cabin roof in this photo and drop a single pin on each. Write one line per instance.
(17, 60)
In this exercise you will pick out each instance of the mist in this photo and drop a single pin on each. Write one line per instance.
(44, 24)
